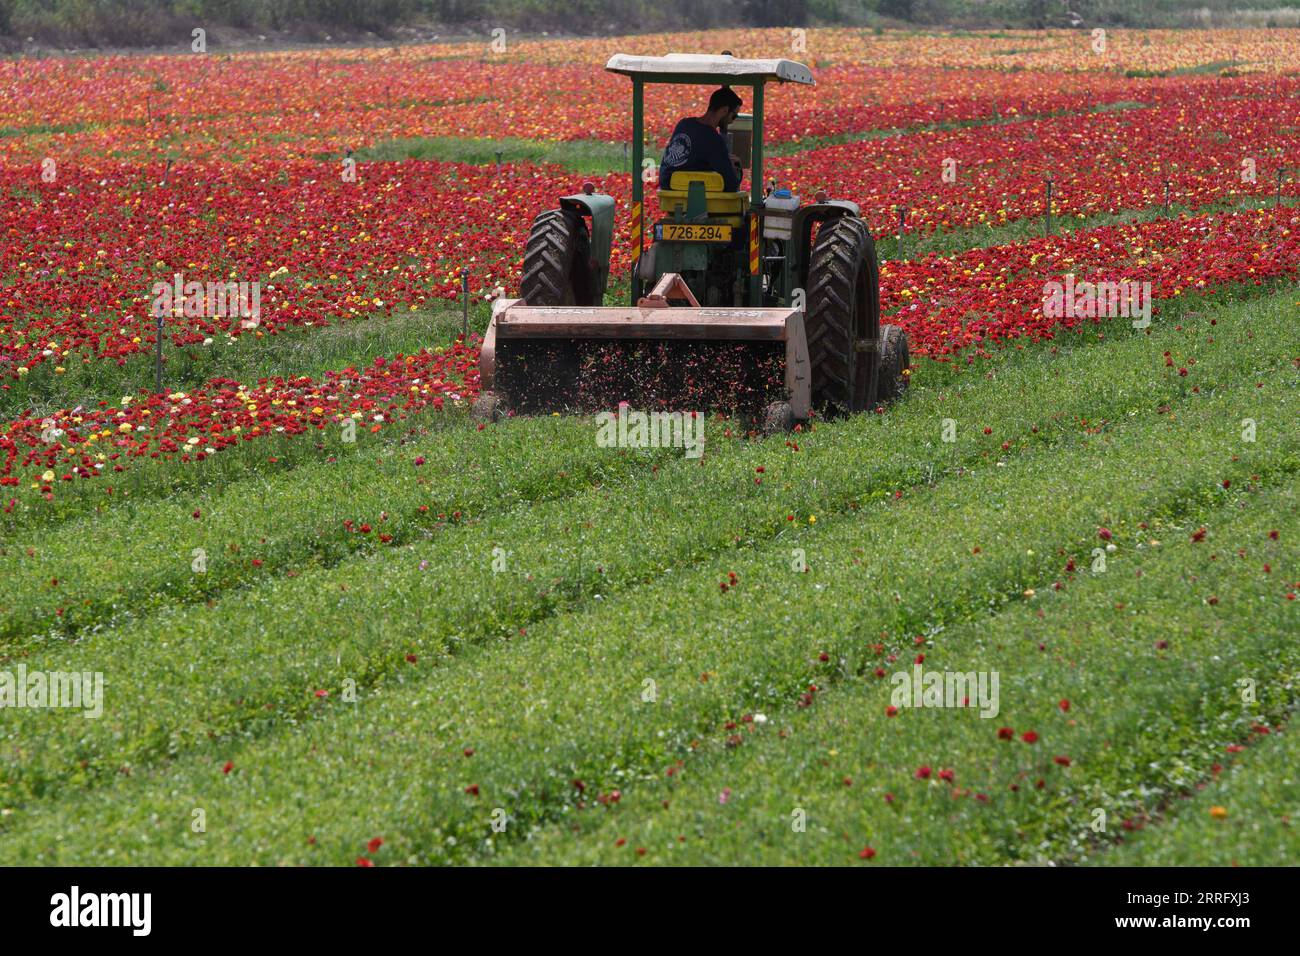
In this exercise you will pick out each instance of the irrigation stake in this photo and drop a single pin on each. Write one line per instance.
(902, 211)
(498, 162)
(1048, 210)
(464, 293)
(157, 356)
(1166, 199)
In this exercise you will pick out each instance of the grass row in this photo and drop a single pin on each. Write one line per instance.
(95, 570)
(1082, 668)
(563, 700)
(1247, 814)
(445, 591)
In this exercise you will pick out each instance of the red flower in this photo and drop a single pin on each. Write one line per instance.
(1198, 534)
(947, 775)
(1062, 761)
(1029, 737)
(1104, 534)
(1064, 705)
(230, 765)
(1006, 733)
(472, 790)
(891, 711)
(922, 773)
(362, 861)
(867, 853)
(374, 844)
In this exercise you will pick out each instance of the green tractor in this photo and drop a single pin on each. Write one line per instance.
(720, 270)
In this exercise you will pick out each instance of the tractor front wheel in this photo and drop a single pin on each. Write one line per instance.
(557, 260)
(843, 316)
(895, 360)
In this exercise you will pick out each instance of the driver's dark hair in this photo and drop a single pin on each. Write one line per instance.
(724, 96)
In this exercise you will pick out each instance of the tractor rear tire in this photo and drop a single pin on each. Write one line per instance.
(557, 260)
(895, 360)
(843, 317)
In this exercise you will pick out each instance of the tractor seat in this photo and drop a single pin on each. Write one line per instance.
(717, 203)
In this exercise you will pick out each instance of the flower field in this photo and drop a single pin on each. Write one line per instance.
(352, 628)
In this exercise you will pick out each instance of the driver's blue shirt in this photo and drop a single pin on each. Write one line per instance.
(696, 147)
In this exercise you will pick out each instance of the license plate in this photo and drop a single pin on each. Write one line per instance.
(692, 232)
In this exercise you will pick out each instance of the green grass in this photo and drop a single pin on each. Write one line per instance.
(543, 676)
(583, 156)
(1246, 815)
(1142, 725)
(296, 351)
(594, 157)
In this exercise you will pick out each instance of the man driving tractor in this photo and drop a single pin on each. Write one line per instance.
(699, 143)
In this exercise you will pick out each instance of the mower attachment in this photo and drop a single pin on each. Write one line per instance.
(544, 358)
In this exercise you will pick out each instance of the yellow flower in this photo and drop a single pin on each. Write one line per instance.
(47, 476)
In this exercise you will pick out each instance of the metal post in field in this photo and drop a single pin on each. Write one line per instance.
(157, 360)
(1047, 211)
(1280, 170)
(464, 293)
(1166, 198)
(902, 213)
(498, 162)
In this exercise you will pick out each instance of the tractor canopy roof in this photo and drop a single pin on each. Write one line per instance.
(704, 67)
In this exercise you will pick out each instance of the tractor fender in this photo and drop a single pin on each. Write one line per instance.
(600, 208)
(800, 253)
